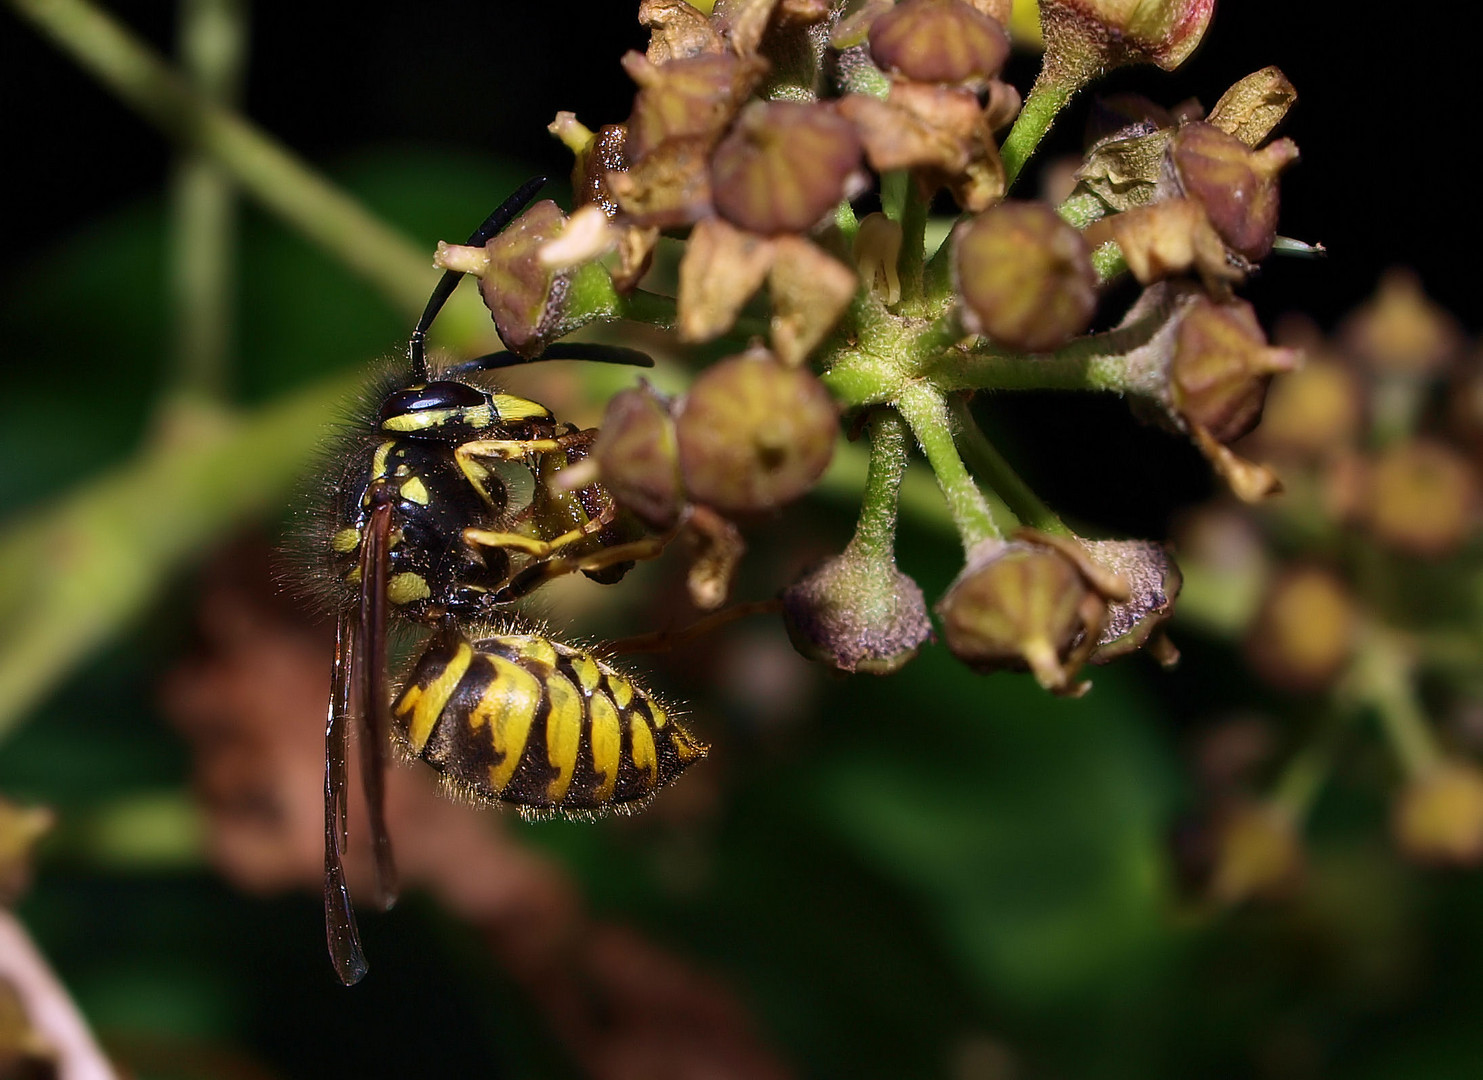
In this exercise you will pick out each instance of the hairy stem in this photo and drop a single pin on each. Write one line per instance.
(984, 458)
(875, 531)
(925, 409)
(1047, 97)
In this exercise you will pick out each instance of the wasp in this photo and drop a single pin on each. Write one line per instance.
(421, 531)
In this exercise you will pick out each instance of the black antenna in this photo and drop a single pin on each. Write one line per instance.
(502, 216)
(561, 350)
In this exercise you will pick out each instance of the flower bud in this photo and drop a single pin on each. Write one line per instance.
(1019, 605)
(1025, 277)
(1083, 37)
(689, 98)
(1258, 854)
(638, 456)
(1304, 634)
(1221, 367)
(856, 615)
(938, 41)
(522, 293)
(1438, 818)
(1153, 581)
(1400, 331)
(754, 434)
(784, 166)
(1313, 411)
(1235, 184)
(1422, 498)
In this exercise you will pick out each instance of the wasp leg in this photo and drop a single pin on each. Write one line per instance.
(532, 577)
(664, 640)
(373, 695)
(543, 549)
(339, 917)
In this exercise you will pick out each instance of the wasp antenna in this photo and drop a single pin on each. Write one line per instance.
(502, 216)
(562, 350)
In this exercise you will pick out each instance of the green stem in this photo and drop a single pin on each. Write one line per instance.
(1047, 97)
(984, 458)
(212, 37)
(398, 268)
(925, 409)
(913, 243)
(1108, 261)
(875, 531)
(1386, 684)
(1303, 777)
(1082, 209)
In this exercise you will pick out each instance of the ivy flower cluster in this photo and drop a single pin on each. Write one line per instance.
(1356, 594)
(760, 133)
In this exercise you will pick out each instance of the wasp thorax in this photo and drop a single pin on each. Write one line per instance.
(1025, 277)
(754, 434)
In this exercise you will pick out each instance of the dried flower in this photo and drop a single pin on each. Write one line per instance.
(1236, 185)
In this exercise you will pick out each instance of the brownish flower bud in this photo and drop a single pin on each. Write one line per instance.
(1025, 277)
(1085, 36)
(1221, 367)
(722, 268)
(1258, 854)
(1023, 604)
(639, 458)
(784, 166)
(677, 31)
(754, 434)
(522, 293)
(20, 828)
(1422, 498)
(1313, 411)
(1304, 634)
(1165, 239)
(688, 98)
(1438, 818)
(1235, 184)
(938, 41)
(1252, 109)
(1401, 331)
(810, 291)
(1153, 583)
(857, 616)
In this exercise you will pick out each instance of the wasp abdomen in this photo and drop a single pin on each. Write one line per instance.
(530, 721)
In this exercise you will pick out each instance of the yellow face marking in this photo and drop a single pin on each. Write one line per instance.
(422, 703)
(563, 733)
(406, 588)
(378, 462)
(418, 419)
(511, 408)
(621, 689)
(644, 758)
(607, 744)
(587, 671)
(345, 541)
(508, 706)
(414, 490)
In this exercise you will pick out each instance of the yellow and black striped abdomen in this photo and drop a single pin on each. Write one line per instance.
(530, 721)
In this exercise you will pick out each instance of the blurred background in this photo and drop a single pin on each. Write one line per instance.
(935, 874)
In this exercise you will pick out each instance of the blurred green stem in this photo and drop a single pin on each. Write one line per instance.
(984, 458)
(1384, 681)
(212, 42)
(399, 269)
